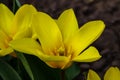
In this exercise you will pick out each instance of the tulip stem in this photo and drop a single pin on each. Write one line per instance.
(13, 9)
(62, 75)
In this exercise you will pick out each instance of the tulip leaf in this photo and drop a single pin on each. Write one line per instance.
(72, 71)
(41, 71)
(16, 5)
(25, 64)
(7, 72)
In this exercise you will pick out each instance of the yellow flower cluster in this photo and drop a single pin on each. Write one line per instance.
(113, 73)
(14, 26)
(57, 42)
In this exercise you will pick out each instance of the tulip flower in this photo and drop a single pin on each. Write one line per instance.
(92, 75)
(61, 42)
(14, 26)
(113, 73)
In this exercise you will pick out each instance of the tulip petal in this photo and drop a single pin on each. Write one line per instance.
(47, 32)
(30, 46)
(1, 44)
(89, 55)
(49, 58)
(6, 17)
(22, 21)
(54, 61)
(4, 47)
(25, 45)
(92, 75)
(6, 51)
(4, 39)
(67, 23)
(87, 34)
(112, 73)
(25, 33)
(59, 64)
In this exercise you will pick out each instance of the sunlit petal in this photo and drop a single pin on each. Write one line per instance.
(22, 20)
(25, 45)
(112, 73)
(47, 31)
(87, 34)
(6, 17)
(67, 23)
(89, 55)
(92, 75)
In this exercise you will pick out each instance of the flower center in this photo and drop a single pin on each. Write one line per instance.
(61, 51)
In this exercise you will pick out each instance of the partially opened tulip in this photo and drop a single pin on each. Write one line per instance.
(61, 42)
(14, 26)
(113, 73)
(92, 75)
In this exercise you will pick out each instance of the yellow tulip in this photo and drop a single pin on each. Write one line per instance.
(92, 75)
(14, 26)
(113, 73)
(61, 42)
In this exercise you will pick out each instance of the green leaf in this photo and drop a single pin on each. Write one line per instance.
(72, 71)
(25, 64)
(18, 3)
(41, 71)
(7, 72)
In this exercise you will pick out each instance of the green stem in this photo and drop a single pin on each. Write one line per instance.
(18, 3)
(25, 64)
(13, 8)
(62, 75)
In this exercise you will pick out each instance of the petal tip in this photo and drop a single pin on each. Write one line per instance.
(100, 22)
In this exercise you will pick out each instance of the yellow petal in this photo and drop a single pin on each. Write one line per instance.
(30, 46)
(89, 55)
(4, 47)
(1, 45)
(4, 39)
(47, 32)
(67, 23)
(54, 61)
(92, 75)
(112, 73)
(59, 64)
(87, 34)
(25, 33)
(49, 58)
(6, 17)
(22, 20)
(6, 51)
(25, 45)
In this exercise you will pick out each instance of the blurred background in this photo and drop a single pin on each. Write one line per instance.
(86, 10)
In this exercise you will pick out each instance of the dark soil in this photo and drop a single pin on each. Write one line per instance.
(107, 10)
